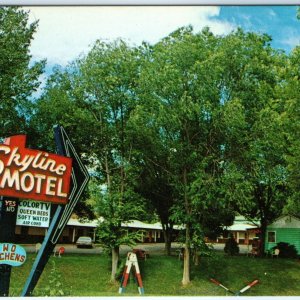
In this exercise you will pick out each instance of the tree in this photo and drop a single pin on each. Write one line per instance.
(192, 124)
(183, 105)
(18, 76)
(290, 120)
(254, 167)
(93, 98)
(109, 80)
(155, 173)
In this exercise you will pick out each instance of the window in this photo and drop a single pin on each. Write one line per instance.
(271, 236)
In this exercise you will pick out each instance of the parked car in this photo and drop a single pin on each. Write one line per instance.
(84, 241)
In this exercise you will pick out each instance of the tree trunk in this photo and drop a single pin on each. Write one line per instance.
(196, 257)
(167, 231)
(168, 245)
(263, 229)
(186, 258)
(107, 173)
(114, 263)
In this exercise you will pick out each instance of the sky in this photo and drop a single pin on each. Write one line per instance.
(65, 33)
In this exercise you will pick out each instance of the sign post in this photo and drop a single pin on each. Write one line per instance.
(79, 180)
(8, 212)
(30, 174)
(44, 177)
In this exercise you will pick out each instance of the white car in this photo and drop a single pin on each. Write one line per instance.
(84, 241)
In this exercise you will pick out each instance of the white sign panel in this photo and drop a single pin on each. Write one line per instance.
(31, 213)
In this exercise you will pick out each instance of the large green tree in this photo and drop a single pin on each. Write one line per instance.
(153, 155)
(93, 98)
(291, 123)
(183, 104)
(108, 89)
(254, 147)
(192, 123)
(18, 75)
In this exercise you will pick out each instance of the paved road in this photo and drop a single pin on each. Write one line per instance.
(155, 249)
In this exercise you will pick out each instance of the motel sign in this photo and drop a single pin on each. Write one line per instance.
(48, 178)
(33, 174)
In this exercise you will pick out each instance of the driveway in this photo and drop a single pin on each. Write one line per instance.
(152, 249)
(157, 248)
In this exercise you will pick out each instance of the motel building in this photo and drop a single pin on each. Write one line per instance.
(73, 229)
(243, 231)
(151, 233)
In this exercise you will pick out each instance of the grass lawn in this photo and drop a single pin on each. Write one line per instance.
(88, 275)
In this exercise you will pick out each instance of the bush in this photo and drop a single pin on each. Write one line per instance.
(55, 286)
(231, 246)
(120, 270)
(286, 250)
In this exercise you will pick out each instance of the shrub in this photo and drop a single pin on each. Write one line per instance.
(286, 250)
(55, 286)
(231, 246)
(120, 270)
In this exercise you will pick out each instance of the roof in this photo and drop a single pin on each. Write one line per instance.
(142, 225)
(244, 220)
(77, 222)
(237, 226)
(241, 227)
(129, 224)
(285, 221)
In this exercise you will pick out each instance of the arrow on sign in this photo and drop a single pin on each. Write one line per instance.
(79, 180)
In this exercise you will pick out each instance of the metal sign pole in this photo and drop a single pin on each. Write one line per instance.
(43, 256)
(8, 215)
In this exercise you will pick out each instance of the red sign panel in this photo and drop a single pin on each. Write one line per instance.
(33, 174)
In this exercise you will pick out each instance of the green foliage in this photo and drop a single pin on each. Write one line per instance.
(190, 129)
(92, 92)
(290, 121)
(254, 169)
(55, 286)
(19, 78)
(111, 235)
(198, 245)
(120, 269)
(231, 246)
(180, 117)
(286, 250)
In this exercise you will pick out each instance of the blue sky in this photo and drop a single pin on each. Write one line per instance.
(64, 33)
(278, 21)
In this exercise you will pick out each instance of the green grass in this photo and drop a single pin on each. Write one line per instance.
(88, 275)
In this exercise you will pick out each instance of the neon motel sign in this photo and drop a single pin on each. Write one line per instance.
(33, 174)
